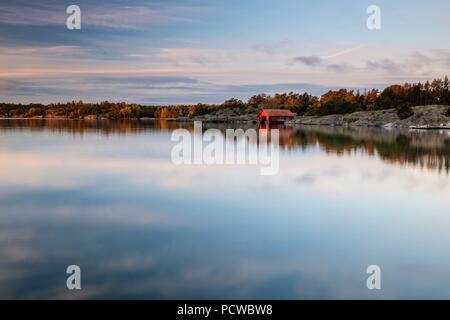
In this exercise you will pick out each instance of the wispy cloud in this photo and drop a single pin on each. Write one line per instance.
(342, 52)
(341, 67)
(318, 62)
(271, 48)
(102, 14)
(43, 50)
(143, 88)
(415, 62)
(5, 84)
(383, 64)
(311, 61)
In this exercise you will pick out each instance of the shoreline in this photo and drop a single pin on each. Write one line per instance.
(424, 118)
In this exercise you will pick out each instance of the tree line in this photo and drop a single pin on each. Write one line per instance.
(343, 101)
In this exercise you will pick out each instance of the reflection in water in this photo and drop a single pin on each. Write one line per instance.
(105, 196)
(424, 149)
(430, 149)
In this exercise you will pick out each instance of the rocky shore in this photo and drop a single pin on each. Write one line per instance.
(424, 116)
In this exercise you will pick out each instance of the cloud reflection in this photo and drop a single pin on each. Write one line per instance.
(141, 227)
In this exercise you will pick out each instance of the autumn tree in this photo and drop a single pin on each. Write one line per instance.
(337, 102)
(391, 97)
(233, 103)
(258, 100)
(370, 99)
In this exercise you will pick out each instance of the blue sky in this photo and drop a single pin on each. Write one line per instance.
(176, 51)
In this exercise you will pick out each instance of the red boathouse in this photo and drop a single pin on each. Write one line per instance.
(275, 116)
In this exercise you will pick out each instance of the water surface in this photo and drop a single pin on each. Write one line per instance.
(106, 196)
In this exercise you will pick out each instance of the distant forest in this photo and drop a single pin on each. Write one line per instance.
(343, 101)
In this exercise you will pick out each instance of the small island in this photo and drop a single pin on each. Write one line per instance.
(417, 105)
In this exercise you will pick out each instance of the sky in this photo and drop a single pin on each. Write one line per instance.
(173, 51)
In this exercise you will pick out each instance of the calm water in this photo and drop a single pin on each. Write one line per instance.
(106, 196)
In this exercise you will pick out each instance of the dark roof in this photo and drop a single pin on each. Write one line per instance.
(278, 112)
